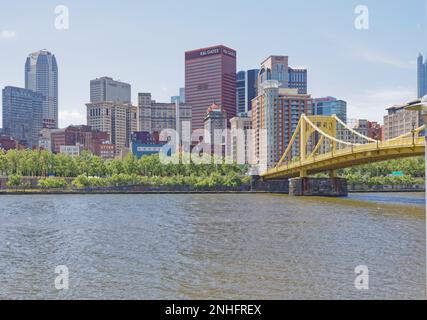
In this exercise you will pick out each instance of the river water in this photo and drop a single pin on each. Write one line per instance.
(212, 246)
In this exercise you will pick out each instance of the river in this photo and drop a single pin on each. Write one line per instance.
(243, 246)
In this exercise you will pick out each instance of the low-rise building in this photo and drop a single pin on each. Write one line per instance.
(71, 151)
(107, 151)
(400, 121)
(8, 143)
(375, 130)
(146, 144)
(361, 126)
(84, 136)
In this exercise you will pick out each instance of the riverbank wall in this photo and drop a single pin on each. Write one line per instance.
(256, 186)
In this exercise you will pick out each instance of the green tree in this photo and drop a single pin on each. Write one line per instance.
(15, 181)
(53, 183)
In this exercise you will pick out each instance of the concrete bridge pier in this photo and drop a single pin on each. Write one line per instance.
(274, 186)
(320, 187)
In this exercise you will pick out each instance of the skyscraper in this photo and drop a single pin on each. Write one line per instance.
(182, 95)
(298, 80)
(106, 89)
(23, 115)
(277, 68)
(241, 92)
(329, 106)
(180, 98)
(422, 76)
(246, 90)
(41, 76)
(210, 77)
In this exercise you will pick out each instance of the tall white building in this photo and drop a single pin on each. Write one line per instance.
(241, 139)
(276, 113)
(41, 76)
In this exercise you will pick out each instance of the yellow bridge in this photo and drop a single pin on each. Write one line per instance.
(326, 144)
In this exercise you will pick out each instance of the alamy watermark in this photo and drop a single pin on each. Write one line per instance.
(62, 280)
(362, 20)
(227, 146)
(62, 19)
(362, 279)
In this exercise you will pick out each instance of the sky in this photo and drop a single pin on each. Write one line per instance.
(142, 42)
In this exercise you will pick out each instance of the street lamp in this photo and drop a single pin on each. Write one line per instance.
(421, 107)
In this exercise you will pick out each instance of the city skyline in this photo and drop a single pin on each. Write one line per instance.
(381, 73)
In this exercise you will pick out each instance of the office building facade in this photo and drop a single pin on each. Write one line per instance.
(400, 121)
(277, 68)
(156, 117)
(41, 76)
(106, 89)
(182, 95)
(241, 92)
(210, 77)
(180, 98)
(23, 115)
(246, 90)
(329, 106)
(118, 119)
(298, 79)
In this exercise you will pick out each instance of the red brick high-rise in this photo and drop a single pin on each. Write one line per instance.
(210, 77)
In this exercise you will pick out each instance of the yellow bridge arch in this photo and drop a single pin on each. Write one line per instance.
(315, 133)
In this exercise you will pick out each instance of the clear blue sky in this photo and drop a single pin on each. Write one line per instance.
(143, 43)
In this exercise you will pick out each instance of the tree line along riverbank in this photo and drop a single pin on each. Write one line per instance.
(42, 170)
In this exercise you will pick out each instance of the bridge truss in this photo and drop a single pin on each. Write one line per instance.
(326, 144)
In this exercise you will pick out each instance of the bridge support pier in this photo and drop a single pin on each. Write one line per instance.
(321, 187)
(273, 186)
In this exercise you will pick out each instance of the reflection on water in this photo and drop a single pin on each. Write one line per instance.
(211, 246)
(408, 198)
